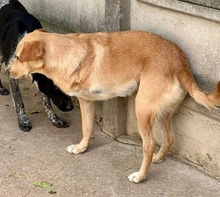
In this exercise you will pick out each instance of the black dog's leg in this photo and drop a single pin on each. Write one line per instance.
(24, 123)
(56, 121)
(3, 90)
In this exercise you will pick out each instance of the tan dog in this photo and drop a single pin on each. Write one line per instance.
(101, 66)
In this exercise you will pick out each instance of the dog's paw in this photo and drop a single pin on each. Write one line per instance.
(158, 158)
(136, 178)
(60, 123)
(76, 149)
(24, 124)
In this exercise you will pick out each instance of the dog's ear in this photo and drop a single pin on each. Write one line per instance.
(31, 51)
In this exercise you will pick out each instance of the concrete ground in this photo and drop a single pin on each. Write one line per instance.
(40, 155)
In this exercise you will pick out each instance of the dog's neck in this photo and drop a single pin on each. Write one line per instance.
(59, 77)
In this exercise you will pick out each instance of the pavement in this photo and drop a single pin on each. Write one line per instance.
(36, 163)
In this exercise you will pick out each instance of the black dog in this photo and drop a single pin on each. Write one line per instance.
(15, 22)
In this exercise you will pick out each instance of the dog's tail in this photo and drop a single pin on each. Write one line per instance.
(208, 100)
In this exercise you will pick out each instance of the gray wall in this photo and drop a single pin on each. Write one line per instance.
(194, 28)
(69, 14)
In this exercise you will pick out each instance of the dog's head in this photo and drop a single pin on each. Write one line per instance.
(28, 57)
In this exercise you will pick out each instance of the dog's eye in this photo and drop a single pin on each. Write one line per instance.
(16, 57)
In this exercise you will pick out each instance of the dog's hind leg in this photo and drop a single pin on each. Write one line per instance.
(145, 123)
(167, 140)
(56, 121)
(145, 103)
(23, 121)
(173, 97)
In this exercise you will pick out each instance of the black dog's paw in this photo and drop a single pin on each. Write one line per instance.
(60, 123)
(4, 91)
(24, 123)
(25, 126)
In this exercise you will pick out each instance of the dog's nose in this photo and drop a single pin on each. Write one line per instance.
(66, 107)
(69, 107)
(12, 74)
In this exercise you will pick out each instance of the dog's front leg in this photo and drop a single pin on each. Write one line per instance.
(88, 114)
(56, 121)
(23, 121)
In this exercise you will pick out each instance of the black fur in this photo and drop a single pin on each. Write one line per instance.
(15, 22)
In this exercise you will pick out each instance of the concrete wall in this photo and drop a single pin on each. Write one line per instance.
(71, 15)
(194, 28)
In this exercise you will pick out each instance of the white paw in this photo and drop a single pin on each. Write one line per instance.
(76, 149)
(72, 149)
(132, 177)
(136, 178)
